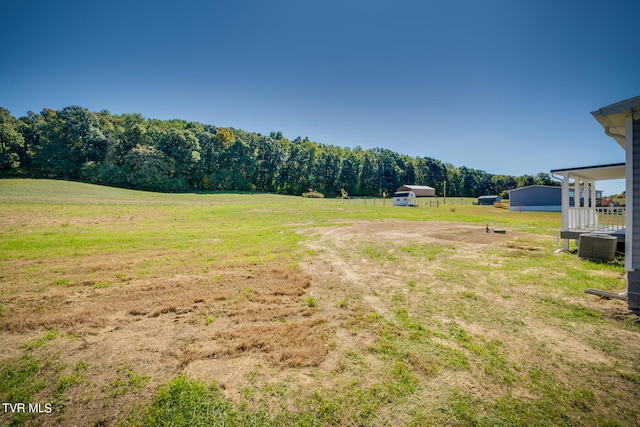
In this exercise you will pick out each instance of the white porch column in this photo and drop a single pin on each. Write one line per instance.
(628, 233)
(587, 194)
(593, 194)
(565, 206)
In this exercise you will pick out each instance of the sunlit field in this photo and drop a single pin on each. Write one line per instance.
(121, 307)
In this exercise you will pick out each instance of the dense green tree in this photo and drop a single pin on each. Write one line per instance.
(132, 136)
(271, 156)
(436, 174)
(175, 155)
(327, 170)
(369, 176)
(204, 168)
(68, 139)
(181, 148)
(524, 181)
(454, 182)
(297, 173)
(82, 132)
(543, 179)
(147, 168)
(388, 170)
(54, 156)
(30, 126)
(11, 141)
(350, 169)
(503, 183)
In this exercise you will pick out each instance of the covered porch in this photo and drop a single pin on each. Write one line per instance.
(582, 210)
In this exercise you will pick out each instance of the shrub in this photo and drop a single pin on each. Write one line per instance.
(313, 194)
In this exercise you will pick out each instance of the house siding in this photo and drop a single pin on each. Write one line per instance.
(633, 276)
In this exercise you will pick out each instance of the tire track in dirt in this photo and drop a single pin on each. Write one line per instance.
(332, 246)
(339, 260)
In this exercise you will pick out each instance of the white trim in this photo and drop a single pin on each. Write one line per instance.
(628, 238)
(565, 205)
(552, 208)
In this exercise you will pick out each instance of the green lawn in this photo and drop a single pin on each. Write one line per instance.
(134, 308)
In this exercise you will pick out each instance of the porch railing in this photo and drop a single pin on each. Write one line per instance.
(597, 219)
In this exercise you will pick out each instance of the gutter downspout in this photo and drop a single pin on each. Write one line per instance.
(615, 136)
(607, 294)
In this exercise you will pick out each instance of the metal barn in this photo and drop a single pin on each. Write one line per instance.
(488, 200)
(407, 194)
(538, 198)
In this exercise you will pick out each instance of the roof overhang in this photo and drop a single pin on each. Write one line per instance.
(415, 187)
(614, 118)
(528, 187)
(419, 190)
(594, 173)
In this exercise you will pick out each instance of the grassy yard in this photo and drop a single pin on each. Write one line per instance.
(121, 307)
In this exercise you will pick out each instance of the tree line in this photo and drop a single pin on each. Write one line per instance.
(131, 151)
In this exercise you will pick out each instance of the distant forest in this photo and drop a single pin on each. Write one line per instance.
(131, 151)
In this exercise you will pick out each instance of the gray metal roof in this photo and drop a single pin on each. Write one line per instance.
(619, 107)
(535, 186)
(419, 190)
(415, 187)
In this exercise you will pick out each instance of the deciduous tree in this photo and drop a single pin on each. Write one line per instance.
(11, 141)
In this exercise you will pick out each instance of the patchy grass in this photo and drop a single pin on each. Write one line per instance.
(132, 308)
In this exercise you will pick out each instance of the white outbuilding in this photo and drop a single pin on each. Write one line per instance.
(407, 194)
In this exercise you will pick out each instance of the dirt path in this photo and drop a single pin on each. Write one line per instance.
(363, 263)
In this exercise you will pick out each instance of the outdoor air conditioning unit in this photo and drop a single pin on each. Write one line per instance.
(597, 246)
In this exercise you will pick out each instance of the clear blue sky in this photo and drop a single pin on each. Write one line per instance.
(504, 86)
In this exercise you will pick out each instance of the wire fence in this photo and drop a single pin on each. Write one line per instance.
(428, 202)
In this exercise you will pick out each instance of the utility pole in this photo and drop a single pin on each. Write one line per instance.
(445, 193)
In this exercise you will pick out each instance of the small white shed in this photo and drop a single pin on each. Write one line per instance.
(407, 194)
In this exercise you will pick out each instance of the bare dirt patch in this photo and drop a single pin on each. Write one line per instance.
(382, 281)
(341, 259)
(159, 327)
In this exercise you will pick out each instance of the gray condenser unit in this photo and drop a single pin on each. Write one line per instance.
(597, 246)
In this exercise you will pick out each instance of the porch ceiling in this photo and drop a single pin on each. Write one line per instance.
(595, 173)
(613, 118)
